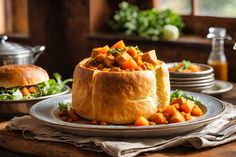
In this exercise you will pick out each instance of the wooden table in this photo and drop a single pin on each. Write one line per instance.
(13, 145)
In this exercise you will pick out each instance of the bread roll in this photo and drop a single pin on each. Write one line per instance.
(21, 75)
(119, 97)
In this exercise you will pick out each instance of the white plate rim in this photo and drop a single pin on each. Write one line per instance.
(114, 127)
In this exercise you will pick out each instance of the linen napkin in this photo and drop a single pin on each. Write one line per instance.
(221, 131)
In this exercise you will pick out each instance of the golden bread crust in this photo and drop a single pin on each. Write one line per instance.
(21, 75)
(114, 97)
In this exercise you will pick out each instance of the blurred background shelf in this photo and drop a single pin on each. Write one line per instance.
(71, 28)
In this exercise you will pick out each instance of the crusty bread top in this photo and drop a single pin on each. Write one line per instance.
(21, 75)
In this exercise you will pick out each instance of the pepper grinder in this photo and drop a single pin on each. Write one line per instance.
(217, 58)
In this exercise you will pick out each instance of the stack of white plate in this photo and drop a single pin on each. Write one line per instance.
(194, 81)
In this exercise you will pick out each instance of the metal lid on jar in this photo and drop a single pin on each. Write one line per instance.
(218, 33)
(10, 48)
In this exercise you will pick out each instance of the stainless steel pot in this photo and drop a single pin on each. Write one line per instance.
(13, 53)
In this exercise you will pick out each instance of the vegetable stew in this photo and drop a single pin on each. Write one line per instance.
(120, 57)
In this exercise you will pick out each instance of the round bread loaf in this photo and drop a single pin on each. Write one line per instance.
(21, 75)
(119, 97)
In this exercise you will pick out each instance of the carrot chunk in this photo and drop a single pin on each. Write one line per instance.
(177, 117)
(25, 91)
(123, 58)
(104, 50)
(130, 64)
(158, 118)
(141, 121)
(196, 111)
(169, 111)
(150, 57)
(187, 116)
(132, 51)
(119, 44)
(187, 107)
(179, 101)
(176, 105)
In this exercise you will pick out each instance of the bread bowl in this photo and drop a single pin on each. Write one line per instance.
(119, 96)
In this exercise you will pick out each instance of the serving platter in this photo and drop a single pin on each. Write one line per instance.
(46, 112)
(11, 108)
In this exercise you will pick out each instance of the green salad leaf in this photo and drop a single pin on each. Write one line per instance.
(179, 93)
(52, 86)
(186, 64)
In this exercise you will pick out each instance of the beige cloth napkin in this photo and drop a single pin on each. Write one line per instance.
(221, 131)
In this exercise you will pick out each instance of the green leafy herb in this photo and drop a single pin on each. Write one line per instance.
(63, 106)
(186, 64)
(179, 93)
(146, 23)
(52, 86)
(114, 51)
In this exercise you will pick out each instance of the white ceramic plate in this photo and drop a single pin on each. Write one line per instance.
(191, 85)
(206, 70)
(194, 89)
(179, 78)
(45, 111)
(192, 82)
(220, 87)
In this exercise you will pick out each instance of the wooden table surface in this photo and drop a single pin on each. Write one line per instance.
(13, 145)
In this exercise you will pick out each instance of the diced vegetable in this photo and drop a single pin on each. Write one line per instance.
(196, 111)
(104, 50)
(120, 44)
(141, 121)
(132, 51)
(106, 60)
(187, 116)
(158, 118)
(169, 111)
(100, 50)
(25, 91)
(177, 117)
(176, 105)
(194, 68)
(187, 107)
(123, 58)
(130, 64)
(32, 89)
(150, 57)
(179, 101)
(95, 52)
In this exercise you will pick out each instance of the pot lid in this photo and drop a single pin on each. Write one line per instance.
(10, 48)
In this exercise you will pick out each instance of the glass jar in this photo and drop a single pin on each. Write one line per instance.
(217, 58)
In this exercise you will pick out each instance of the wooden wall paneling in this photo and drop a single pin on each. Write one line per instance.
(47, 28)
(76, 20)
(19, 16)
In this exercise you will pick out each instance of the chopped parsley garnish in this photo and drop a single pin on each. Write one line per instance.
(186, 64)
(63, 106)
(179, 93)
(114, 51)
